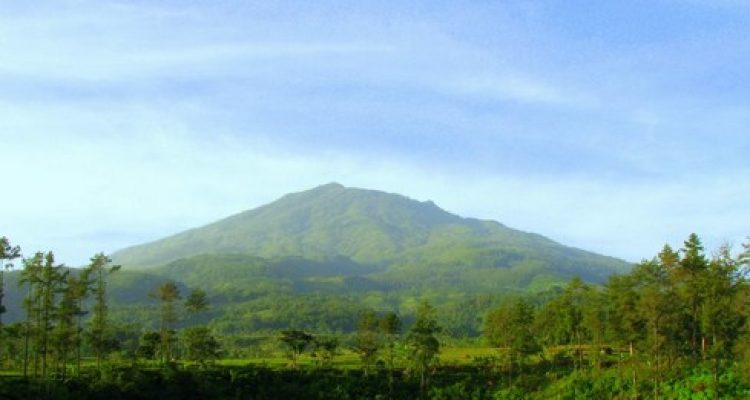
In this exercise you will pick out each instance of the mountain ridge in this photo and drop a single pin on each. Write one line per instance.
(368, 227)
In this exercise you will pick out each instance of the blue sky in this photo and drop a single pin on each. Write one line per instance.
(611, 126)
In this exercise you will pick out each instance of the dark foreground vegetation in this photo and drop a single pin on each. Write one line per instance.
(675, 327)
(540, 381)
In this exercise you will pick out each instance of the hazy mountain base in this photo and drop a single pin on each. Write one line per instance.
(250, 294)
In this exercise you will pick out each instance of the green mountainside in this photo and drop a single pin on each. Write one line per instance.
(316, 259)
(406, 238)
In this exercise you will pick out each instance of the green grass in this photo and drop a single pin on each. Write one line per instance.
(349, 360)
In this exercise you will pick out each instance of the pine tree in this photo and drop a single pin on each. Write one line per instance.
(423, 344)
(7, 254)
(98, 270)
(168, 293)
(31, 277)
(721, 319)
(50, 279)
(366, 343)
(390, 327)
(691, 271)
(79, 289)
(66, 331)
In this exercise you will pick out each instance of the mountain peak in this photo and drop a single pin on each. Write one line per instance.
(330, 186)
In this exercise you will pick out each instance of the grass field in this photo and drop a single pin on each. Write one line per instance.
(347, 359)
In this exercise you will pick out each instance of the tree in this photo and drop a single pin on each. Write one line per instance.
(422, 343)
(200, 345)
(691, 271)
(366, 342)
(168, 293)
(594, 322)
(510, 326)
(721, 320)
(50, 279)
(625, 325)
(78, 289)
(297, 341)
(67, 334)
(390, 328)
(98, 270)
(148, 345)
(326, 348)
(31, 277)
(7, 254)
(196, 301)
(657, 309)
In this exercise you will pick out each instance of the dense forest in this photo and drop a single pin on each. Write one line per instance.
(672, 327)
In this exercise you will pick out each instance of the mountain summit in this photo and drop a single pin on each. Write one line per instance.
(396, 234)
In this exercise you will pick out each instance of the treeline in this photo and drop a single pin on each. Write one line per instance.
(53, 334)
(66, 319)
(677, 312)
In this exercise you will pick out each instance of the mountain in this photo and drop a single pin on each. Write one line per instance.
(387, 237)
(316, 259)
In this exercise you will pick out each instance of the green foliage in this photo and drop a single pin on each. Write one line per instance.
(200, 345)
(367, 341)
(148, 345)
(8, 253)
(98, 270)
(422, 343)
(196, 301)
(326, 348)
(511, 327)
(674, 327)
(167, 294)
(297, 341)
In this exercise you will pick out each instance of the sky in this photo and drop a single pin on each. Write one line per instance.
(613, 126)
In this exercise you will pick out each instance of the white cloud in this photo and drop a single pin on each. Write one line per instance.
(513, 87)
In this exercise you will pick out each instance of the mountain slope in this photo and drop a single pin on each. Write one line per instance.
(330, 220)
(408, 239)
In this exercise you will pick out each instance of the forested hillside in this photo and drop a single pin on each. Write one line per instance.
(675, 326)
(407, 238)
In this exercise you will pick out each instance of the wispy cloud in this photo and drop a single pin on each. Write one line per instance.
(143, 118)
(512, 87)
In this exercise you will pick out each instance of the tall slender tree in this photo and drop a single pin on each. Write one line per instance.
(366, 343)
(31, 276)
(423, 344)
(8, 253)
(390, 328)
(722, 321)
(693, 266)
(657, 309)
(80, 289)
(168, 294)
(50, 278)
(67, 332)
(98, 270)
